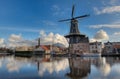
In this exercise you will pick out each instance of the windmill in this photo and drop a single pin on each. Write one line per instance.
(74, 34)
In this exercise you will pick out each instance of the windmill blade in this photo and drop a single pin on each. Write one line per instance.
(81, 16)
(64, 20)
(72, 11)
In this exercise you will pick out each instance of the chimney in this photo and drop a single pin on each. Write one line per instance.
(38, 41)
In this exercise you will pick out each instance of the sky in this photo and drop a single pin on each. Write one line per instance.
(26, 20)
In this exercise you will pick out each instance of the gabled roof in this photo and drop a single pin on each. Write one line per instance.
(45, 47)
(116, 46)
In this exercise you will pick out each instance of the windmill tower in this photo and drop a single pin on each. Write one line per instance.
(75, 37)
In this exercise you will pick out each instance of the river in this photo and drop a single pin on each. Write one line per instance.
(12, 67)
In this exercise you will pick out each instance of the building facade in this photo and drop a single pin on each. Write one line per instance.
(25, 48)
(95, 47)
(108, 47)
(116, 47)
(80, 48)
(111, 47)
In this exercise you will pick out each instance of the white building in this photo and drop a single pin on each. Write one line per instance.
(95, 47)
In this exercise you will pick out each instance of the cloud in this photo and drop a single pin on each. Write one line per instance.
(105, 25)
(27, 43)
(117, 33)
(51, 38)
(1, 41)
(115, 37)
(56, 7)
(113, 2)
(110, 2)
(19, 29)
(15, 38)
(93, 40)
(57, 10)
(107, 10)
(101, 35)
(49, 23)
(42, 33)
(45, 39)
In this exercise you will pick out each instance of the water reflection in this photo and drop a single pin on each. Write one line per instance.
(103, 66)
(14, 67)
(79, 67)
(61, 68)
(52, 66)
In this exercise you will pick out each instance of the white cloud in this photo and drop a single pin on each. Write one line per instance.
(105, 25)
(19, 29)
(57, 10)
(45, 39)
(42, 33)
(101, 35)
(115, 37)
(93, 40)
(107, 10)
(117, 33)
(15, 38)
(56, 7)
(113, 2)
(52, 38)
(1, 41)
(49, 23)
(27, 43)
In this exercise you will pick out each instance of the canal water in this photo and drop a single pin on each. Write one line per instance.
(12, 67)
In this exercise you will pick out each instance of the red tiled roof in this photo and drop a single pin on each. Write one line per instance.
(45, 47)
(116, 46)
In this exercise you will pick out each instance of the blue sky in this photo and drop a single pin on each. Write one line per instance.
(28, 17)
